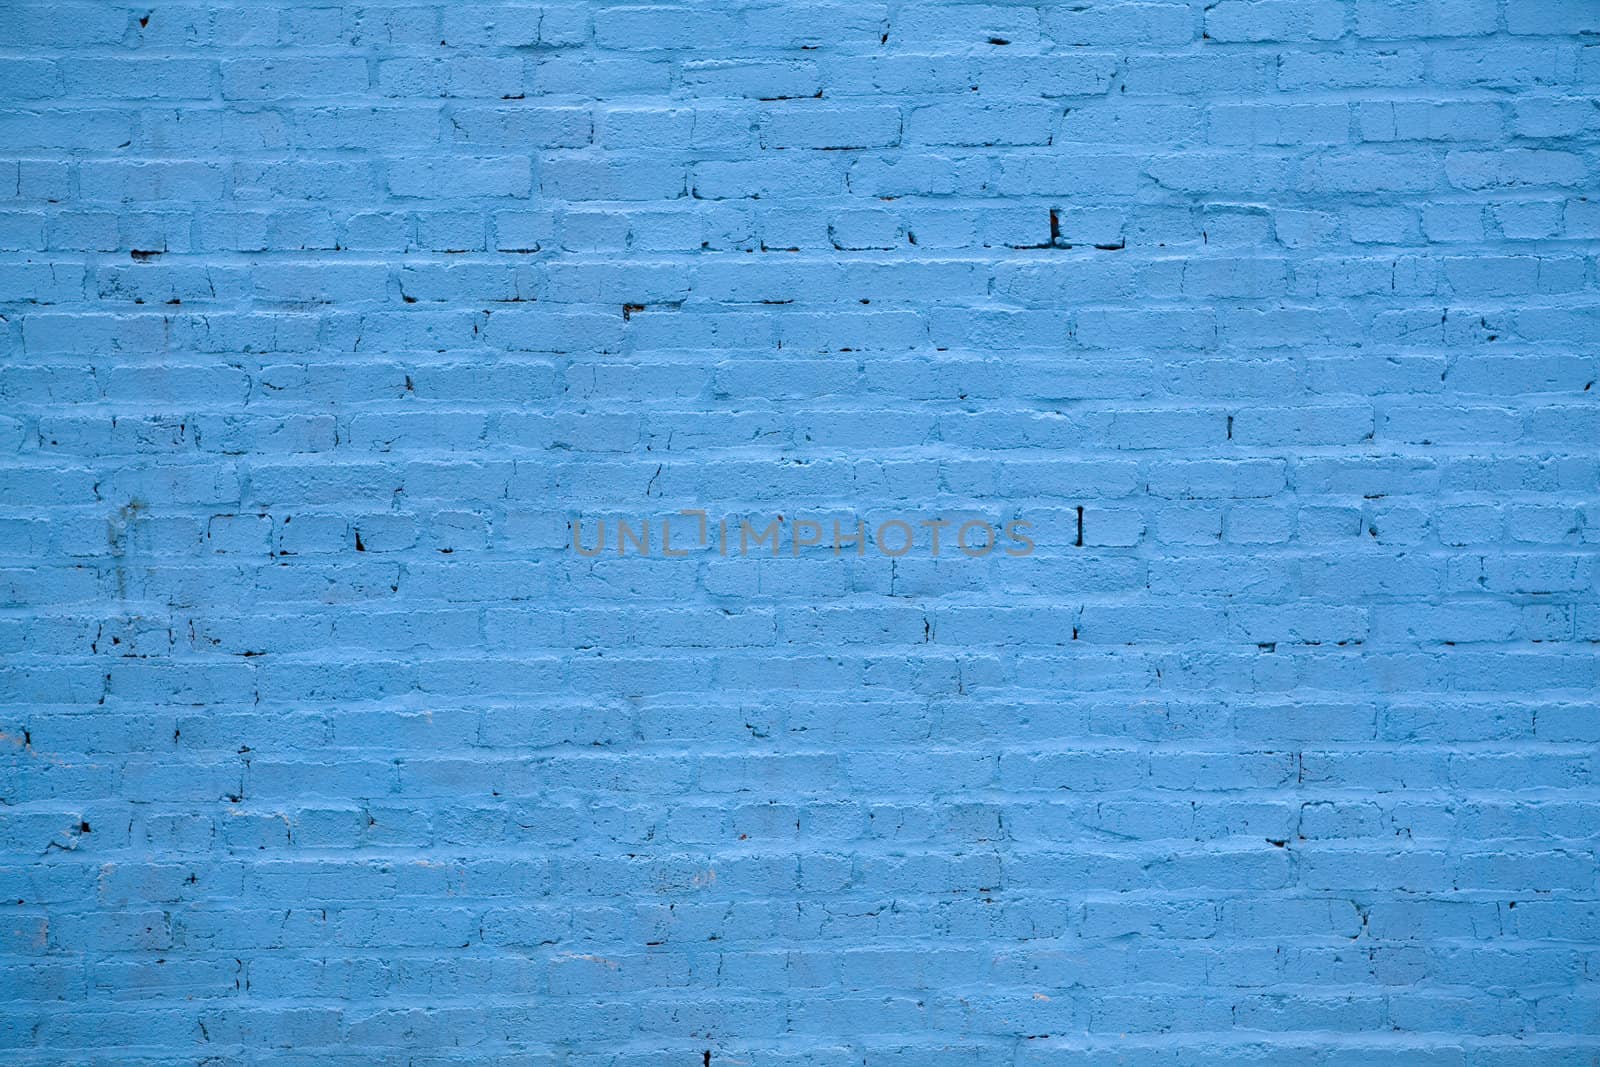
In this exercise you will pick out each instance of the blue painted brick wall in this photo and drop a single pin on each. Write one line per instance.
(320, 324)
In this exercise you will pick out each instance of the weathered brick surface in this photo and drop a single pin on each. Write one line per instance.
(320, 323)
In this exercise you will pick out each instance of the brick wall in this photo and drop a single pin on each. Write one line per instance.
(320, 325)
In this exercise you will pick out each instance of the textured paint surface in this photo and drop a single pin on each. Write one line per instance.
(319, 324)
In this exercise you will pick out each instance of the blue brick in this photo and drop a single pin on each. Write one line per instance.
(323, 327)
(1275, 20)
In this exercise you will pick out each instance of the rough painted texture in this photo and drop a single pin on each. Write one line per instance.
(321, 323)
